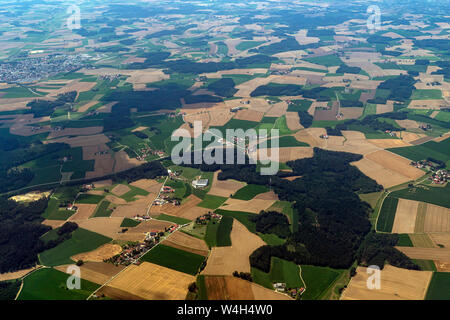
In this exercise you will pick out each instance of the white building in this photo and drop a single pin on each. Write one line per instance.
(200, 183)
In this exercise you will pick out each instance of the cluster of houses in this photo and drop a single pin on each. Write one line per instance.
(391, 133)
(144, 152)
(293, 292)
(204, 219)
(130, 253)
(440, 176)
(138, 217)
(323, 136)
(166, 197)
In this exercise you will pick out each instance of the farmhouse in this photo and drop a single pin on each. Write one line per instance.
(200, 183)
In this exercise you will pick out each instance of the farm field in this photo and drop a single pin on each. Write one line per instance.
(386, 217)
(396, 284)
(149, 281)
(438, 288)
(175, 259)
(81, 241)
(249, 192)
(50, 284)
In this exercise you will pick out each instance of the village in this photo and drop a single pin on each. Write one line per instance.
(438, 176)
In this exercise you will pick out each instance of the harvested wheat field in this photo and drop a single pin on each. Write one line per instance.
(138, 207)
(311, 137)
(437, 219)
(270, 195)
(396, 284)
(380, 174)
(16, 274)
(107, 226)
(351, 113)
(233, 288)
(188, 209)
(249, 115)
(395, 163)
(106, 251)
(243, 244)
(120, 190)
(84, 212)
(408, 124)
(441, 239)
(442, 254)
(293, 121)
(53, 223)
(254, 205)
(385, 108)
(405, 216)
(409, 137)
(389, 143)
(284, 154)
(277, 110)
(153, 282)
(149, 185)
(115, 200)
(223, 188)
(104, 162)
(97, 272)
(124, 162)
(352, 141)
(103, 183)
(183, 241)
(442, 266)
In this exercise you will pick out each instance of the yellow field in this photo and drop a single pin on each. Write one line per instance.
(396, 284)
(153, 282)
(405, 217)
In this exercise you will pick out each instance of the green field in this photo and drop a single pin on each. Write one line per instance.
(81, 241)
(249, 192)
(284, 142)
(173, 219)
(318, 280)
(299, 105)
(443, 116)
(173, 258)
(103, 209)
(212, 202)
(245, 45)
(242, 217)
(426, 94)
(129, 223)
(438, 288)
(271, 239)
(135, 191)
(387, 214)
(280, 271)
(218, 234)
(434, 195)
(436, 150)
(53, 212)
(50, 284)
(89, 198)
(404, 240)
(328, 61)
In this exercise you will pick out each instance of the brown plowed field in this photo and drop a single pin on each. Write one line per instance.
(224, 188)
